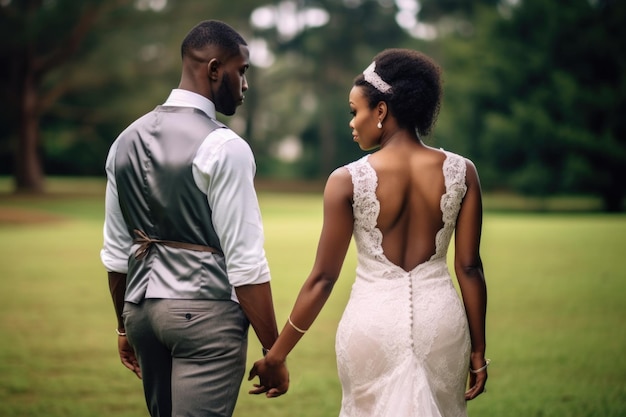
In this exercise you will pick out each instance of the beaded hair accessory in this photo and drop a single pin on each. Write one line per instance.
(374, 79)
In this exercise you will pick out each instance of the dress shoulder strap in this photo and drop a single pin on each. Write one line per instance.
(454, 169)
(364, 179)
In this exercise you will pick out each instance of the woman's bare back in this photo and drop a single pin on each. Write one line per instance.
(410, 186)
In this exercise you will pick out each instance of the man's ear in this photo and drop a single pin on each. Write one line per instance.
(214, 69)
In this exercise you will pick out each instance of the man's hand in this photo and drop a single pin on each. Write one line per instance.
(273, 379)
(127, 355)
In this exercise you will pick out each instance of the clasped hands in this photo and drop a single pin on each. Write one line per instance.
(273, 378)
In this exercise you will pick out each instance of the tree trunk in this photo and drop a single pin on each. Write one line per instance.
(29, 177)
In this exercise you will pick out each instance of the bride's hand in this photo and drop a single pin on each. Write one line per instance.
(477, 381)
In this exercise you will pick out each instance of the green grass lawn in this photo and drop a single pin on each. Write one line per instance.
(556, 320)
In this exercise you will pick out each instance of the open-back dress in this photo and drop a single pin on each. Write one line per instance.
(403, 342)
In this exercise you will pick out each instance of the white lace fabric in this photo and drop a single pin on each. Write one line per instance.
(403, 341)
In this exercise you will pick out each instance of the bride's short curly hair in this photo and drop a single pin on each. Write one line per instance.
(416, 87)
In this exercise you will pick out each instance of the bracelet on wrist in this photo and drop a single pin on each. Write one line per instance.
(120, 333)
(296, 328)
(482, 368)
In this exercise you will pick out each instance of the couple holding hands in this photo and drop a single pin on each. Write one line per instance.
(183, 247)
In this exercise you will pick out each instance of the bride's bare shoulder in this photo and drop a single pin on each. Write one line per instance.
(339, 183)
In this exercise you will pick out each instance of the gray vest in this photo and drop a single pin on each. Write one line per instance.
(158, 195)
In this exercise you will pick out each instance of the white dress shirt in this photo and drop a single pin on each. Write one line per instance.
(223, 169)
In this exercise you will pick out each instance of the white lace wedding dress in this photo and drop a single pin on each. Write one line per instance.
(403, 342)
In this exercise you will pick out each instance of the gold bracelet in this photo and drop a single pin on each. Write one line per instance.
(120, 333)
(482, 368)
(294, 326)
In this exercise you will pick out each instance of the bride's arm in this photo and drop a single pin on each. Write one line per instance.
(331, 251)
(470, 274)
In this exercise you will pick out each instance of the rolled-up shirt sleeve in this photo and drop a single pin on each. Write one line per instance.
(117, 242)
(224, 169)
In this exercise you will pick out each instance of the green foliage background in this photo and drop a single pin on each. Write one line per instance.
(535, 91)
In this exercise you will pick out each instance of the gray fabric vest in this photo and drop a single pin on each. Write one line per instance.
(158, 195)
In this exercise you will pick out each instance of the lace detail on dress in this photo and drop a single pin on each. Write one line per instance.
(365, 205)
(454, 176)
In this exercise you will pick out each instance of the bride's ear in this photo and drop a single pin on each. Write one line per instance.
(382, 109)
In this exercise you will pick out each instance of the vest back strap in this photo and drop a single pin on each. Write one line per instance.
(145, 242)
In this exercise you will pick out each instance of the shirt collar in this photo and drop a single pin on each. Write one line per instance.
(186, 98)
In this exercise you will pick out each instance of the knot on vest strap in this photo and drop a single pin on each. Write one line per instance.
(145, 243)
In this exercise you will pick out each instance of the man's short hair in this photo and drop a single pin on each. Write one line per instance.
(212, 32)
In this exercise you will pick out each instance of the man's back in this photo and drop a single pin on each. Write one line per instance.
(159, 197)
(153, 168)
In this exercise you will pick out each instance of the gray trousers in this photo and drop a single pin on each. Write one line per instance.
(192, 355)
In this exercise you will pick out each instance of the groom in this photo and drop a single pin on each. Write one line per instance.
(183, 239)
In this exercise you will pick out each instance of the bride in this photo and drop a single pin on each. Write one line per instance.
(406, 345)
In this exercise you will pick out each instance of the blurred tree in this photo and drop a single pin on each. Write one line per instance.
(77, 73)
(534, 90)
(539, 90)
(438, 10)
(37, 37)
(305, 92)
